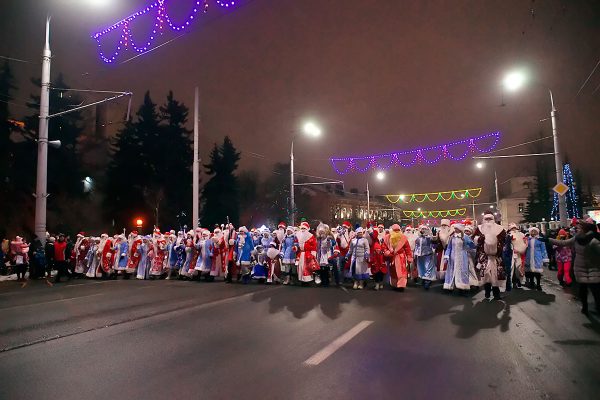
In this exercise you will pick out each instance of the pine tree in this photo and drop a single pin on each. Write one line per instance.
(175, 174)
(131, 191)
(539, 205)
(6, 88)
(220, 194)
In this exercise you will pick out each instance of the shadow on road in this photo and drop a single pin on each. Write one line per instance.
(299, 306)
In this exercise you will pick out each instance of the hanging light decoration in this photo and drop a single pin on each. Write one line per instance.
(456, 151)
(448, 195)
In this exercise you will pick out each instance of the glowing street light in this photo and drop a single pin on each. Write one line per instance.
(310, 129)
(380, 176)
(514, 80)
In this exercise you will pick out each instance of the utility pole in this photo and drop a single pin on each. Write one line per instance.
(41, 189)
(562, 204)
(196, 164)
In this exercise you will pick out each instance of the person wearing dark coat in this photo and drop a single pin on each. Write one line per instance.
(587, 260)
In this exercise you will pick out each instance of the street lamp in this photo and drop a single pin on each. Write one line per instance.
(380, 176)
(513, 81)
(310, 128)
(481, 165)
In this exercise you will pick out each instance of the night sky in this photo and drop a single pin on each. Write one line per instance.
(377, 75)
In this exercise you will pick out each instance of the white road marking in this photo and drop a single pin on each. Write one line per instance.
(334, 346)
(52, 301)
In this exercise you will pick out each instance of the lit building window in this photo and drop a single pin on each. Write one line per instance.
(521, 208)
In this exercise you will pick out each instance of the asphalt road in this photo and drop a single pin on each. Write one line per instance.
(196, 340)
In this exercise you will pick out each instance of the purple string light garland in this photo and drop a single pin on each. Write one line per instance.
(425, 155)
(162, 19)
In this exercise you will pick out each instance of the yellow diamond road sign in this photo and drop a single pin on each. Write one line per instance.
(560, 188)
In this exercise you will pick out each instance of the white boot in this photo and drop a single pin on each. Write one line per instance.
(355, 286)
(361, 285)
(287, 280)
(317, 279)
(376, 286)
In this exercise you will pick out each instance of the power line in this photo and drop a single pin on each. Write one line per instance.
(587, 80)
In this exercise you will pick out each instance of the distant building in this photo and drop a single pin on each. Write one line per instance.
(332, 205)
(513, 198)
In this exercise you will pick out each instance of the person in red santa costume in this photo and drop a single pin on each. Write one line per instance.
(134, 241)
(306, 251)
(80, 251)
(218, 267)
(377, 261)
(159, 256)
(343, 238)
(398, 251)
(106, 250)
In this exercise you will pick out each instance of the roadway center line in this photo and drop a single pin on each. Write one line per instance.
(334, 346)
(51, 301)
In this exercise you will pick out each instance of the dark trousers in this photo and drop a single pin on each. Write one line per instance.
(583, 294)
(324, 274)
(378, 277)
(61, 270)
(338, 270)
(20, 269)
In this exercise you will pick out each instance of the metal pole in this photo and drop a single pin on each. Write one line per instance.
(196, 163)
(562, 206)
(368, 203)
(496, 187)
(42, 161)
(474, 216)
(292, 202)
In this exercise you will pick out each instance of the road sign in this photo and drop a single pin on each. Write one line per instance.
(561, 188)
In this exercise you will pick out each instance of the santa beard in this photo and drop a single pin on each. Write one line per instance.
(444, 234)
(344, 240)
(490, 231)
(303, 236)
(395, 238)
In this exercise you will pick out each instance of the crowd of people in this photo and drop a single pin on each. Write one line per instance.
(463, 256)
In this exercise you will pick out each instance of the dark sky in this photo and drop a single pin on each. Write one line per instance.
(378, 76)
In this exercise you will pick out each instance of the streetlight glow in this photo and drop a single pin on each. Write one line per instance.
(380, 175)
(99, 3)
(312, 129)
(480, 164)
(514, 80)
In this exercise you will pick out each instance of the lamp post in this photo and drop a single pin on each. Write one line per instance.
(310, 129)
(41, 187)
(514, 81)
(481, 165)
(379, 176)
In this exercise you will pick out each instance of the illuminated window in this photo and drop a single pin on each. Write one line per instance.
(521, 208)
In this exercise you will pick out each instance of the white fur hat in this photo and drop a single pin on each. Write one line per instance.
(445, 222)
(243, 229)
(534, 229)
(512, 225)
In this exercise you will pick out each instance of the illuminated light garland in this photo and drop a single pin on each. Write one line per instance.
(417, 156)
(162, 19)
(571, 199)
(458, 212)
(433, 196)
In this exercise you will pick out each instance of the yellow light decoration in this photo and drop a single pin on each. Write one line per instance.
(458, 212)
(433, 196)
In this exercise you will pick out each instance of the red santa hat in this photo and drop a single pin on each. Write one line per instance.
(134, 233)
(304, 225)
(156, 231)
(282, 225)
(347, 225)
(81, 235)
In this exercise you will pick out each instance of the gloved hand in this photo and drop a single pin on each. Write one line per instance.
(543, 239)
